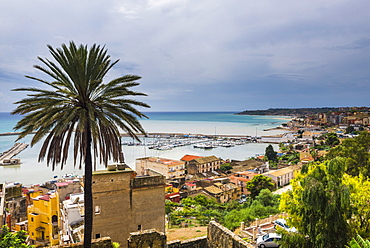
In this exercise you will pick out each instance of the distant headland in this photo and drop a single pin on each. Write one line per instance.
(302, 111)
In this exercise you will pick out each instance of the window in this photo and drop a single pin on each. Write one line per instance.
(54, 220)
(97, 236)
(139, 227)
(97, 209)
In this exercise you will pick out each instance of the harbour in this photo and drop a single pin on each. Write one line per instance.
(175, 127)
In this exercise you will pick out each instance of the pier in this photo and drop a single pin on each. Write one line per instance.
(6, 158)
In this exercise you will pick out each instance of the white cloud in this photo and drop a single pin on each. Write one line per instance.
(224, 48)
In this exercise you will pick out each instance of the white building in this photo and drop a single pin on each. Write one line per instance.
(72, 214)
(281, 177)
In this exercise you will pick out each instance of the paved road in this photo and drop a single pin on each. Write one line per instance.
(283, 189)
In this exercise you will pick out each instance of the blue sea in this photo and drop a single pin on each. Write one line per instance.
(208, 123)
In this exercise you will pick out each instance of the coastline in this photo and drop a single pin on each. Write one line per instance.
(33, 171)
(278, 128)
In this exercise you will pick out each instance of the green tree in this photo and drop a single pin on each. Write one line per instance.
(10, 239)
(233, 218)
(356, 154)
(319, 205)
(350, 129)
(226, 167)
(359, 242)
(79, 107)
(294, 240)
(259, 183)
(264, 205)
(266, 198)
(359, 198)
(270, 153)
(331, 139)
(170, 206)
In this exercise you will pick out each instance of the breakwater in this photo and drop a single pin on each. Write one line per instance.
(6, 158)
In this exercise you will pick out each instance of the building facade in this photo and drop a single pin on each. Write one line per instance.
(168, 167)
(203, 165)
(224, 192)
(241, 179)
(72, 219)
(13, 205)
(43, 220)
(281, 177)
(125, 203)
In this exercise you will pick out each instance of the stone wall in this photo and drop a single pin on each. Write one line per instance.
(146, 181)
(154, 239)
(95, 243)
(148, 238)
(200, 242)
(218, 237)
(221, 237)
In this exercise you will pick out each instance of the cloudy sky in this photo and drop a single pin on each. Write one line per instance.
(206, 55)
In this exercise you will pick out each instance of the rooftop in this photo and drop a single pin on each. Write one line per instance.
(165, 161)
(213, 190)
(280, 172)
(207, 159)
(188, 157)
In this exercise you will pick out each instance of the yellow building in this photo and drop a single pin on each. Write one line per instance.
(43, 220)
(170, 189)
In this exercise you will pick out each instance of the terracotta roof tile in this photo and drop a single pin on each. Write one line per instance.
(188, 157)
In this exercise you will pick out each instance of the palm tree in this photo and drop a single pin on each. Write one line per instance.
(79, 108)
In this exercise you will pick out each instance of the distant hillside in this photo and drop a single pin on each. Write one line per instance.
(301, 111)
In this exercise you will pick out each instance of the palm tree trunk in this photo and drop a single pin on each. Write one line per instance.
(88, 199)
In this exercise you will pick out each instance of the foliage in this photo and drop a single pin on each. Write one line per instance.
(283, 147)
(266, 198)
(292, 158)
(294, 240)
(359, 198)
(331, 139)
(359, 242)
(296, 111)
(356, 154)
(259, 183)
(233, 219)
(300, 132)
(263, 206)
(170, 206)
(78, 108)
(116, 245)
(350, 129)
(202, 210)
(319, 204)
(226, 167)
(9, 239)
(270, 154)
